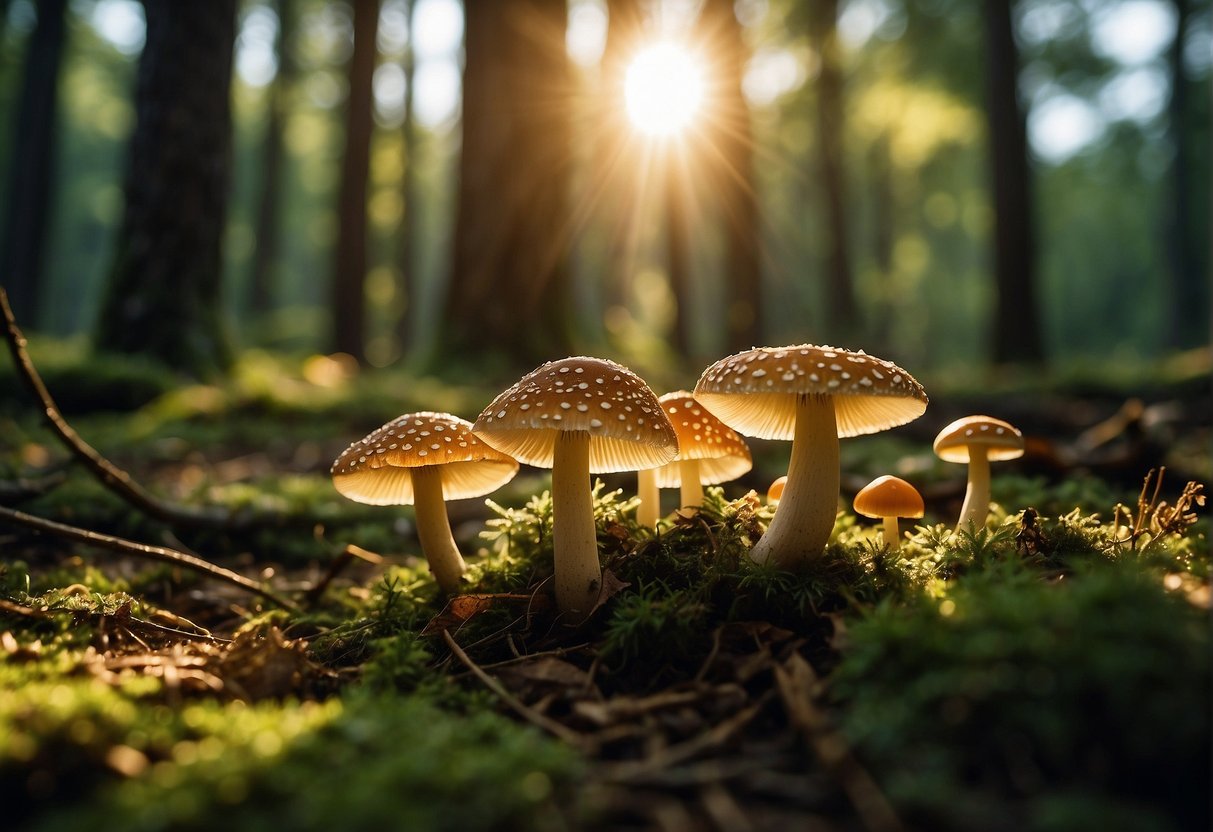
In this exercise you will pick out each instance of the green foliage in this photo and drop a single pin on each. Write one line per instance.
(359, 763)
(1038, 698)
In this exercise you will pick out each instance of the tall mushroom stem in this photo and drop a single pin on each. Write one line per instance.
(976, 506)
(578, 575)
(892, 533)
(802, 524)
(649, 509)
(434, 528)
(692, 490)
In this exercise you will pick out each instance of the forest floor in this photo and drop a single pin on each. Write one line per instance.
(1050, 672)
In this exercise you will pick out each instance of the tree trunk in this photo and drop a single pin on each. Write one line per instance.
(678, 249)
(731, 153)
(163, 295)
(842, 316)
(273, 160)
(615, 186)
(406, 252)
(509, 292)
(32, 165)
(349, 274)
(1016, 323)
(1189, 302)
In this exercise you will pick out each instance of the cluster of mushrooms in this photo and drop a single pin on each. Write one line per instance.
(582, 416)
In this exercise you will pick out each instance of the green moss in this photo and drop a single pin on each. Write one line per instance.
(1018, 700)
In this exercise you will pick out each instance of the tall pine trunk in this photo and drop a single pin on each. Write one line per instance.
(508, 295)
(32, 165)
(273, 162)
(840, 305)
(349, 274)
(406, 251)
(732, 156)
(163, 294)
(1017, 335)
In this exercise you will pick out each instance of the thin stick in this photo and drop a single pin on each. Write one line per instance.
(129, 547)
(529, 714)
(110, 475)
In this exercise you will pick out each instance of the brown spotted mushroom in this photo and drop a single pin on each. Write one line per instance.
(978, 440)
(709, 451)
(811, 395)
(423, 459)
(578, 416)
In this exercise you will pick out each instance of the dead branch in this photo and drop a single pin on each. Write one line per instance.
(129, 547)
(109, 474)
(529, 714)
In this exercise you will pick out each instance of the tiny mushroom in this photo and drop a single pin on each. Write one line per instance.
(888, 498)
(811, 395)
(978, 440)
(423, 459)
(578, 416)
(709, 452)
(775, 490)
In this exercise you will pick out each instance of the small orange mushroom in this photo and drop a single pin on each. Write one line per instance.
(888, 498)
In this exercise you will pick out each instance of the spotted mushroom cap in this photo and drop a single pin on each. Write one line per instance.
(628, 429)
(755, 391)
(1002, 440)
(723, 455)
(375, 469)
(888, 496)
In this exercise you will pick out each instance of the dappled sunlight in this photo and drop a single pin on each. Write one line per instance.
(664, 89)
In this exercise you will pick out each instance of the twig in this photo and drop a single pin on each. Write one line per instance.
(347, 556)
(529, 714)
(129, 547)
(110, 475)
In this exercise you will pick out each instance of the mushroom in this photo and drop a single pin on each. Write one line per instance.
(811, 395)
(709, 452)
(775, 490)
(978, 440)
(578, 416)
(888, 498)
(423, 459)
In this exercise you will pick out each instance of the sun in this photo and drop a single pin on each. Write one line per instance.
(663, 89)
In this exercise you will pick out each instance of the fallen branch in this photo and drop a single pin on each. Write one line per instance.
(129, 547)
(110, 475)
(529, 714)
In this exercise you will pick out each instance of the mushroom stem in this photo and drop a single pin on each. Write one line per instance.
(976, 506)
(434, 529)
(802, 524)
(574, 539)
(649, 509)
(692, 490)
(892, 533)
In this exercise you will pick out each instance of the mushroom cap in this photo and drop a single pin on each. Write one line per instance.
(775, 491)
(1001, 440)
(888, 497)
(375, 469)
(755, 391)
(627, 427)
(723, 455)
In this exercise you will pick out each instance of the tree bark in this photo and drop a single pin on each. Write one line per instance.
(842, 315)
(1189, 301)
(731, 154)
(163, 295)
(349, 274)
(273, 161)
(509, 293)
(1017, 335)
(406, 252)
(32, 165)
